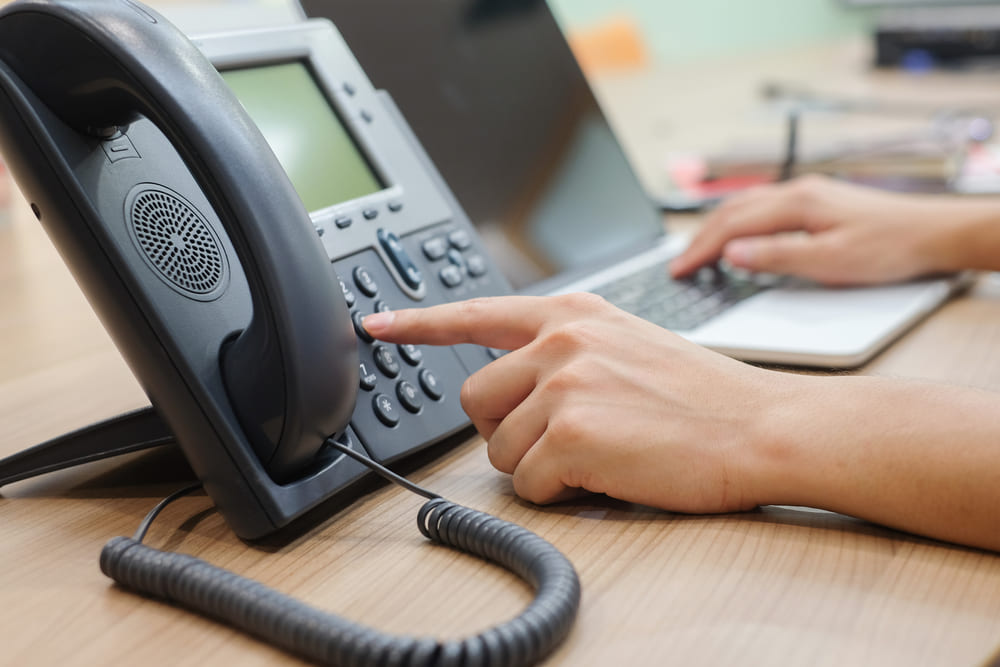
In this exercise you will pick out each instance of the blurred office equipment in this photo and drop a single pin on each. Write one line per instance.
(501, 106)
(494, 93)
(908, 146)
(918, 34)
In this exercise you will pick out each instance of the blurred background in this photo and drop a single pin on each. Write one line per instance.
(705, 94)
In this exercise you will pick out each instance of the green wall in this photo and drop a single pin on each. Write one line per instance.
(679, 30)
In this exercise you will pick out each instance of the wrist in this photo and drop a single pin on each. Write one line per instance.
(797, 448)
(777, 448)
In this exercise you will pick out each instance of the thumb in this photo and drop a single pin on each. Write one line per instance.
(789, 254)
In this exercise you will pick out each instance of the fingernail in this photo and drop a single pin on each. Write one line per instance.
(378, 322)
(740, 252)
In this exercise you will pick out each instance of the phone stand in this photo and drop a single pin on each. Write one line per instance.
(128, 432)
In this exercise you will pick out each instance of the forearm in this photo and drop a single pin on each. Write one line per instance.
(915, 456)
(959, 233)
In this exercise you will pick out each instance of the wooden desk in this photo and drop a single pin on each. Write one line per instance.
(775, 586)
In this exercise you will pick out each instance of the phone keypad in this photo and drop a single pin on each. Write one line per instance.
(408, 395)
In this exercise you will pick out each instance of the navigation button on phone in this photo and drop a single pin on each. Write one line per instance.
(400, 258)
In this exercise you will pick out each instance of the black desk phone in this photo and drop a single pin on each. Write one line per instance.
(231, 231)
(231, 303)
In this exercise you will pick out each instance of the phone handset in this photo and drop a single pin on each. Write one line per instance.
(291, 375)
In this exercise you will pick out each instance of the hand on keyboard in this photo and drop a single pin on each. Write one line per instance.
(833, 232)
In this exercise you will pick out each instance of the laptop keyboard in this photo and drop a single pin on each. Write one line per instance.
(678, 304)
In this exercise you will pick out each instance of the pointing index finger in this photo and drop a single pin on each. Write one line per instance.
(502, 322)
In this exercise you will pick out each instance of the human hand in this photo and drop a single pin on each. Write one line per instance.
(825, 230)
(593, 398)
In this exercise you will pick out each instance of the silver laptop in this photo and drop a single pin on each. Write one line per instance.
(493, 92)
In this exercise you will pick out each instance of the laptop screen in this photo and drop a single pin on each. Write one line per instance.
(491, 89)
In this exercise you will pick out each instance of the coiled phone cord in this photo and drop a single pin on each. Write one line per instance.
(326, 638)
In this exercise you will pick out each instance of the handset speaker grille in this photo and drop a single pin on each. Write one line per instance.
(177, 242)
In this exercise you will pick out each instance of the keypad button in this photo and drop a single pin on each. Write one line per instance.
(435, 248)
(368, 378)
(495, 353)
(343, 221)
(429, 383)
(348, 294)
(411, 354)
(451, 276)
(370, 213)
(395, 206)
(408, 396)
(386, 361)
(363, 279)
(385, 410)
(367, 116)
(475, 265)
(319, 231)
(459, 239)
(359, 327)
(382, 307)
(349, 89)
(455, 257)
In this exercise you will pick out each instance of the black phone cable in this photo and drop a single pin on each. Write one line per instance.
(326, 638)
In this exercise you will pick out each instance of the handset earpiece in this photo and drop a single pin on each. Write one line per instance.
(291, 374)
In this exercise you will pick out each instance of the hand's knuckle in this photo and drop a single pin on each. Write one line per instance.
(497, 456)
(583, 302)
(566, 429)
(568, 339)
(807, 189)
(471, 312)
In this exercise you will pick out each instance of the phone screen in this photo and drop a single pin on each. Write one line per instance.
(322, 160)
